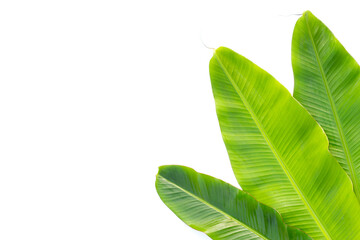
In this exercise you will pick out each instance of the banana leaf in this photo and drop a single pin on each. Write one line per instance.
(279, 153)
(327, 84)
(218, 209)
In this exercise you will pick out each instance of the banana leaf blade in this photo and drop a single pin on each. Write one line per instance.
(327, 84)
(218, 209)
(278, 152)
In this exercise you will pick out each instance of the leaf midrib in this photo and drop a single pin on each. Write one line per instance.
(276, 154)
(336, 117)
(216, 209)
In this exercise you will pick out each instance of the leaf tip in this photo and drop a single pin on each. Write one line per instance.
(161, 169)
(220, 50)
(307, 14)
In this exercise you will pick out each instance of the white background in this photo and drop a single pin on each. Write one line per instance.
(95, 95)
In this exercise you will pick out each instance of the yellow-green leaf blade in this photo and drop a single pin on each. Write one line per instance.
(327, 83)
(218, 209)
(278, 152)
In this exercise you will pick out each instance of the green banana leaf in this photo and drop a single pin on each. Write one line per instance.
(327, 84)
(279, 153)
(218, 209)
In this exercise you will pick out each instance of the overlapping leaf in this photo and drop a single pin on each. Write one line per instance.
(218, 209)
(327, 84)
(279, 153)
